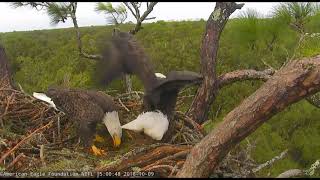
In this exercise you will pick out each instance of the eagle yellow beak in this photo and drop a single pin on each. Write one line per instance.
(116, 140)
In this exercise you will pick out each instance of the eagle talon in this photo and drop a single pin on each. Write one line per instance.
(96, 151)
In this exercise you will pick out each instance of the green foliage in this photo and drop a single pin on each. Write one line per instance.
(50, 57)
(116, 15)
(58, 12)
(297, 14)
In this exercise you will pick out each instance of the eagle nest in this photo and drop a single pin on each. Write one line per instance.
(34, 135)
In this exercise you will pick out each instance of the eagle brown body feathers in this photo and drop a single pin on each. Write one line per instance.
(83, 106)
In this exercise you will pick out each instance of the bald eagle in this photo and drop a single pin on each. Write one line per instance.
(125, 56)
(88, 108)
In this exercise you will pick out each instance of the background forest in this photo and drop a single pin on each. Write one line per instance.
(50, 57)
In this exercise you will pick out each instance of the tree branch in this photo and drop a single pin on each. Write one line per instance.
(246, 74)
(136, 14)
(208, 90)
(314, 100)
(136, 8)
(295, 81)
(130, 9)
(148, 11)
(268, 163)
(291, 173)
(150, 18)
(297, 172)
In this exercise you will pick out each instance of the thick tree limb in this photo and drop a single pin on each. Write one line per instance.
(246, 74)
(297, 80)
(210, 44)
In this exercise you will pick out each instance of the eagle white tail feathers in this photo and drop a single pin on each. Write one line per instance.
(153, 124)
(45, 98)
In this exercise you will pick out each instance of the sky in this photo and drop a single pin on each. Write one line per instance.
(27, 19)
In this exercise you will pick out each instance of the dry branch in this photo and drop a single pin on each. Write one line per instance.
(291, 173)
(297, 80)
(246, 74)
(135, 11)
(268, 163)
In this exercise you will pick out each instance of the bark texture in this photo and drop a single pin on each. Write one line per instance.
(5, 73)
(295, 81)
(209, 49)
(246, 74)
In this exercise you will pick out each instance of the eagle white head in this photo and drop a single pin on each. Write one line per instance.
(159, 75)
(153, 124)
(112, 122)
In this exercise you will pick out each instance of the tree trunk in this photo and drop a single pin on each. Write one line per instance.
(295, 81)
(79, 42)
(209, 48)
(6, 80)
(128, 82)
(76, 27)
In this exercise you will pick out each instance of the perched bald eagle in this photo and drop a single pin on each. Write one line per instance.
(125, 56)
(87, 108)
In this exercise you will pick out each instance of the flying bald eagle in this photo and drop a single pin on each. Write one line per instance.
(88, 108)
(125, 56)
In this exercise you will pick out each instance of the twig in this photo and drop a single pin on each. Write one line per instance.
(42, 154)
(129, 93)
(59, 130)
(177, 155)
(175, 168)
(123, 105)
(24, 140)
(195, 125)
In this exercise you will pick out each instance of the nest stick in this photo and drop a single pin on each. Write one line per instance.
(123, 105)
(15, 160)
(24, 140)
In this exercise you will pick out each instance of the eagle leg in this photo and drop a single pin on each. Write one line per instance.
(87, 131)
